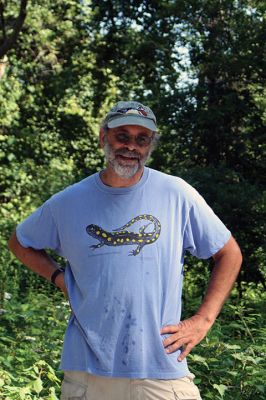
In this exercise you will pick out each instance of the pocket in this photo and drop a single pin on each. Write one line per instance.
(185, 389)
(72, 391)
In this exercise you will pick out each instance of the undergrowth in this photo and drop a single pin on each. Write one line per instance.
(229, 364)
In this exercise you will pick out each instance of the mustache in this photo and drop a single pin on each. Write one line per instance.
(127, 153)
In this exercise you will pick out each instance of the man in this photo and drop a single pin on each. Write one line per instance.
(124, 232)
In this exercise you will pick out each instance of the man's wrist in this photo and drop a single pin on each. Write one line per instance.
(206, 318)
(55, 274)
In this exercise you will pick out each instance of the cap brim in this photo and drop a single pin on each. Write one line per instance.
(132, 120)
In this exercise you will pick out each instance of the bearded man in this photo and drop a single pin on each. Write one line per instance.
(124, 232)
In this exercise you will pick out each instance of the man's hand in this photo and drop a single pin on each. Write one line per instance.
(185, 335)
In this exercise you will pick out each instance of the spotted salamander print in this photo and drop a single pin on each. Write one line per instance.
(121, 236)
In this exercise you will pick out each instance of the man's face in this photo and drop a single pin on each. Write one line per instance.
(127, 148)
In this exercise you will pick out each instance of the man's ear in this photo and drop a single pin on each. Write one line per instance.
(101, 137)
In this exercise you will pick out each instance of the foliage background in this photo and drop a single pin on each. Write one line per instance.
(200, 65)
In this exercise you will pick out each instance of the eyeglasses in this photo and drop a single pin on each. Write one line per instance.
(141, 140)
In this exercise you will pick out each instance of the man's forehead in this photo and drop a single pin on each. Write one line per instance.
(132, 129)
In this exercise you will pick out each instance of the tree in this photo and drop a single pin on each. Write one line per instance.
(48, 135)
(225, 137)
(10, 27)
(197, 63)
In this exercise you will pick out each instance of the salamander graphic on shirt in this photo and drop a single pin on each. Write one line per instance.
(121, 236)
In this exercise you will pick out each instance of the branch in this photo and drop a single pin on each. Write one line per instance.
(2, 20)
(9, 42)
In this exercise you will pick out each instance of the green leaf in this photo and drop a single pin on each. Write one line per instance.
(52, 395)
(23, 392)
(232, 346)
(199, 359)
(37, 385)
(221, 389)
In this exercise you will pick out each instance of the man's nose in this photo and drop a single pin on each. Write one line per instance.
(131, 144)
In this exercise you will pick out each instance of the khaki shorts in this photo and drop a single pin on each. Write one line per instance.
(83, 386)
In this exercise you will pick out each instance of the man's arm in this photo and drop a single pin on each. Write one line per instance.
(36, 260)
(190, 332)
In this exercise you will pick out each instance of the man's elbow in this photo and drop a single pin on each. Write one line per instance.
(13, 243)
(236, 251)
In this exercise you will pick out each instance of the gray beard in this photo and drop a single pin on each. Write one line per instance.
(123, 171)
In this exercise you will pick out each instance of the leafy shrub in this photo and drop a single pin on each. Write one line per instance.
(31, 337)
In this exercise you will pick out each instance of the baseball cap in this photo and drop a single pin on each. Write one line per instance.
(130, 113)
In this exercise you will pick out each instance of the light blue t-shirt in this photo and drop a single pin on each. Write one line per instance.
(125, 250)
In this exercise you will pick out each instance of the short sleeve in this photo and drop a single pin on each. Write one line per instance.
(39, 230)
(205, 234)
